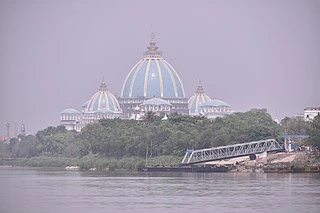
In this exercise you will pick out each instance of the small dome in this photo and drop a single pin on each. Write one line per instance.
(103, 100)
(152, 76)
(195, 102)
(215, 103)
(70, 111)
(156, 102)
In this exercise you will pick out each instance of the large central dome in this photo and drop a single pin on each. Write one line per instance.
(152, 76)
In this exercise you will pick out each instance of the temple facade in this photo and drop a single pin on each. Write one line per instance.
(152, 85)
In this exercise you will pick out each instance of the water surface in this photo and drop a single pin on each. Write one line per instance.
(52, 191)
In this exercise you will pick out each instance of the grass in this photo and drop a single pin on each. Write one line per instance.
(92, 161)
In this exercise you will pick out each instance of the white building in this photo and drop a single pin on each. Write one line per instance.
(102, 105)
(201, 104)
(153, 77)
(156, 105)
(71, 119)
(151, 85)
(310, 113)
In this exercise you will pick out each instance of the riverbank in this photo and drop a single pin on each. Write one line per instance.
(274, 162)
(90, 162)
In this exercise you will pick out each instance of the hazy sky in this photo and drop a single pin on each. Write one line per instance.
(251, 54)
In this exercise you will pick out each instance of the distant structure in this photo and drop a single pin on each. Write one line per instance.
(153, 77)
(152, 85)
(102, 105)
(15, 130)
(71, 119)
(23, 130)
(201, 104)
(8, 130)
(195, 102)
(157, 105)
(215, 108)
(310, 113)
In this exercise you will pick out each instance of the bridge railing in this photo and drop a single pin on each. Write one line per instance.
(236, 150)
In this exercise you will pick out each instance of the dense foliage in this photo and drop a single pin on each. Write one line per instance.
(52, 141)
(314, 132)
(295, 126)
(151, 137)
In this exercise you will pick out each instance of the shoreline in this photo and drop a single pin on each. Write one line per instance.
(272, 163)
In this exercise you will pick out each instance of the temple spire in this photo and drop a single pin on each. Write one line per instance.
(103, 86)
(153, 48)
(152, 36)
(200, 88)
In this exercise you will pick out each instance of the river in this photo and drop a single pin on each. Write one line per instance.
(27, 190)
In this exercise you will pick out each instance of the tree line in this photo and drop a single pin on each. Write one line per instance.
(154, 137)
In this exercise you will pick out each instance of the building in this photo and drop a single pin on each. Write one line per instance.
(70, 118)
(153, 77)
(195, 102)
(152, 85)
(215, 108)
(201, 104)
(102, 105)
(156, 105)
(311, 112)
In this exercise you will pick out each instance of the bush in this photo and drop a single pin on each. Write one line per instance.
(112, 164)
(40, 162)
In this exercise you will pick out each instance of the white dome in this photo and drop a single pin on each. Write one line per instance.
(195, 101)
(103, 100)
(152, 76)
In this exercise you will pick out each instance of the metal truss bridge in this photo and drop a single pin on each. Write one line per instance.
(231, 151)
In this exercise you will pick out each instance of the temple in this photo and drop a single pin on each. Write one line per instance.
(152, 85)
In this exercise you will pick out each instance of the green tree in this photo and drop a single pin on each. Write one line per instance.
(150, 116)
(55, 144)
(93, 136)
(118, 138)
(52, 141)
(295, 126)
(314, 132)
(25, 147)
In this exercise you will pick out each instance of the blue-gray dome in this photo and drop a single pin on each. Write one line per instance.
(70, 111)
(103, 100)
(195, 102)
(156, 102)
(215, 103)
(152, 76)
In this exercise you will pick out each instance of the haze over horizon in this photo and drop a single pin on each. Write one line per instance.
(250, 54)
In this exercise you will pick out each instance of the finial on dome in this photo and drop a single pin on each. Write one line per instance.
(152, 36)
(152, 48)
(152, 43)
(200, 88)
(103, 85)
